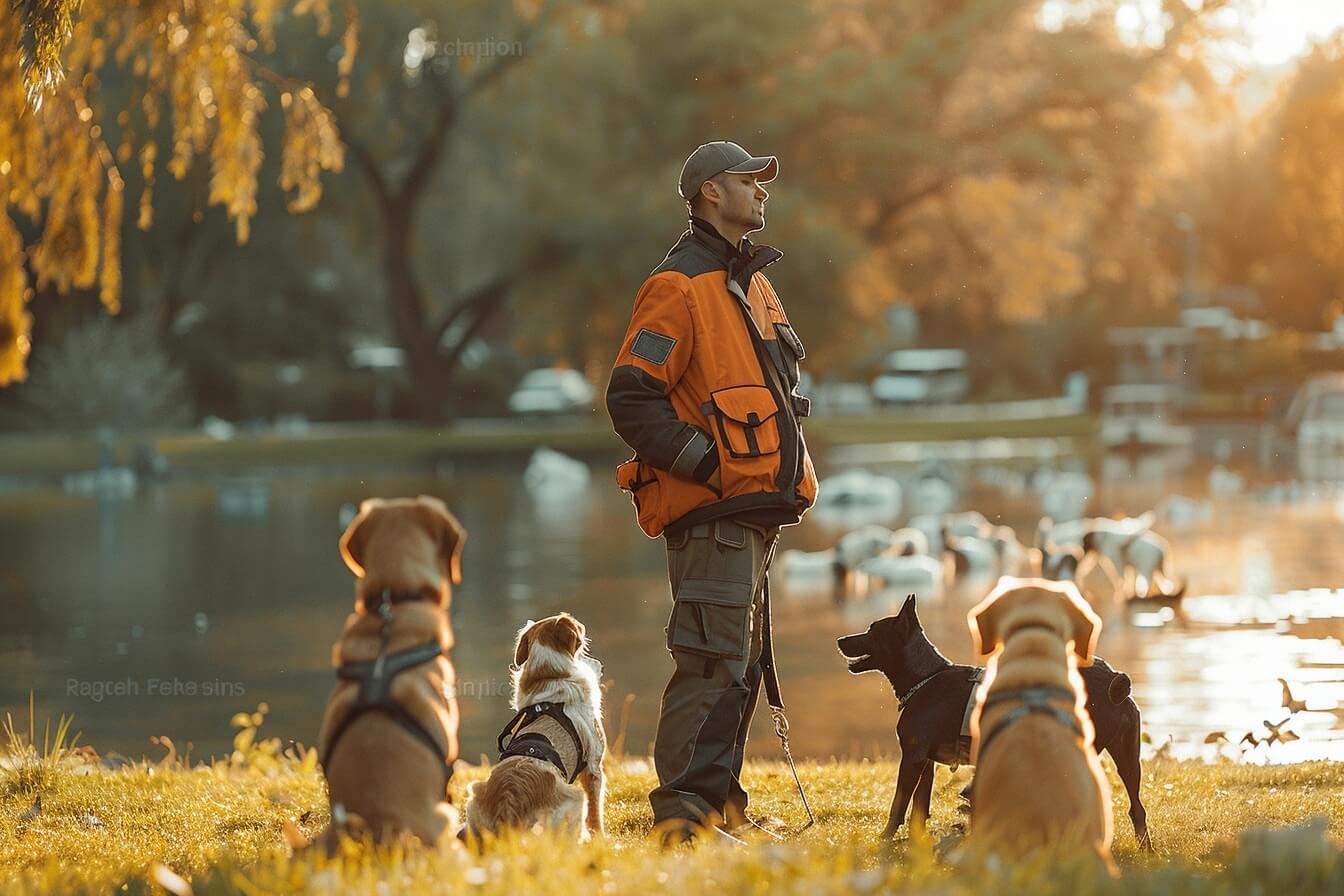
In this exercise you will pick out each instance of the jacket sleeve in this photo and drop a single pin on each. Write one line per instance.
(654, 355)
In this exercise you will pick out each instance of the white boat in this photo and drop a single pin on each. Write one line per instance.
(1316, 416)
(1139, 418)
(856, 498)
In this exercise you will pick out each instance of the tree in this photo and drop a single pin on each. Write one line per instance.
(105, 375)
(963, 155)
(992, 159)
(1265, 199)
(1310, 203)
(195, 88)
(957, 154)
(413, 123)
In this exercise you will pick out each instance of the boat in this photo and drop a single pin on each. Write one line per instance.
(1142, 418)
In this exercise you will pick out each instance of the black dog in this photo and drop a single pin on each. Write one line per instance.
(934, 695)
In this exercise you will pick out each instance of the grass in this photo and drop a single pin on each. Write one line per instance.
(80, 827)
(403, 445)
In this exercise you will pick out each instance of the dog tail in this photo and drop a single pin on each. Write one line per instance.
(1119, 688)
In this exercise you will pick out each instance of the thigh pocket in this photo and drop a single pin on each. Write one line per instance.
(711, 618)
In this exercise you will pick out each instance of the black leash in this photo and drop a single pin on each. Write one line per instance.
(770, 678)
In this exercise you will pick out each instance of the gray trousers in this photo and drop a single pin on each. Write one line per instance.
(717, 571)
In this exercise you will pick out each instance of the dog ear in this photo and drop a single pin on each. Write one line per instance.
(575, 634)
(1085, 623)
(562, 633)
(451, 534)
(984, 618)
(523, 644)
(356, 535)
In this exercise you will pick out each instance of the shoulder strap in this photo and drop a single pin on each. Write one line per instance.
(525, 717)
(1034, 701)
(375, 676)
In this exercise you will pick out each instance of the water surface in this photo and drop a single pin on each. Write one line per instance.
(166, 612)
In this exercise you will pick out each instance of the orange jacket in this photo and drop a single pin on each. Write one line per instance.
(690, 392)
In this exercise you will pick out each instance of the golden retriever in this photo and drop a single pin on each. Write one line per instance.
(1038, 783)
(389, 735)
(554, 741)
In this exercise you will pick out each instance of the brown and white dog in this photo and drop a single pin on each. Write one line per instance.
(555, 741)
(389, 734)
(1038, 783)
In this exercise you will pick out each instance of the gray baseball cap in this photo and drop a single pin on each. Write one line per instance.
(722, 156)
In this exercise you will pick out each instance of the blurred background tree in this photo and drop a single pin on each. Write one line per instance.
(501, 179)
(87, 88)
(105, 374)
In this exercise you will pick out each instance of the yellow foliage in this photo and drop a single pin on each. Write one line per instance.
(110, 285)
(45, 27)
(312, 144)
(191, 61)
(1311, 165)
(16, 323)
(1031, 234)
(349, 47)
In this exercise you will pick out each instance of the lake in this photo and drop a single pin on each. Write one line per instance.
(165, 612)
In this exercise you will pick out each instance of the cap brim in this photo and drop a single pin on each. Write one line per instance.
(767, 167)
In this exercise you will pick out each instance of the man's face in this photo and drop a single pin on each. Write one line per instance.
(741, 200)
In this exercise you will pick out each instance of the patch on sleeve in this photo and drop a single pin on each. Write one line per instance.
(652, 347)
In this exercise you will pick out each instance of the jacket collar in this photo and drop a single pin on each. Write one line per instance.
(740, 261)
(708, 236)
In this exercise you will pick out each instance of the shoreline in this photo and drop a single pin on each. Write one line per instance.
(38, 457)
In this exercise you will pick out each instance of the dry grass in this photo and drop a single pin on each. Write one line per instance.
(76, 826)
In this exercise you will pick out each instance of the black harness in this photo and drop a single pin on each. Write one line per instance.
(375, 685)
(1035, 701)
(535, 745)
(903, 699)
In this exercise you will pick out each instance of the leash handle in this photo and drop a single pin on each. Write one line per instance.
(782, 729)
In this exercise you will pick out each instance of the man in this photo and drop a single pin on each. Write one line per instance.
(703, 391)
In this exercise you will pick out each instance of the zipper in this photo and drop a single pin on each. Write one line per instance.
(789, 473)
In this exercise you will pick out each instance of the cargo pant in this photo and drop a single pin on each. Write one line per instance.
(717, 570)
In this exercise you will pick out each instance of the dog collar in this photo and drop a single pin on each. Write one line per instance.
(905, 698)
(388, 597)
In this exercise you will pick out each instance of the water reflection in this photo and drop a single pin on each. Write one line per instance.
(204, 612)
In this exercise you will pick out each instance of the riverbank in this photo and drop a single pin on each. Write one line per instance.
(70, 824)
(410, 446)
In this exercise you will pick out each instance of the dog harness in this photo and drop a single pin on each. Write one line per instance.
(375, 685)
(1035, 701)
(976, 674)
(958, 753)
(535, 732)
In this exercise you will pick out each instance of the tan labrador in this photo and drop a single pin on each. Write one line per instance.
(1038, 783)
(389, 734)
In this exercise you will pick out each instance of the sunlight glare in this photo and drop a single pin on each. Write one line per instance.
(1275, 31)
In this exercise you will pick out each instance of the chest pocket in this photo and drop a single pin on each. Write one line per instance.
(793, 350)
(745, 417)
